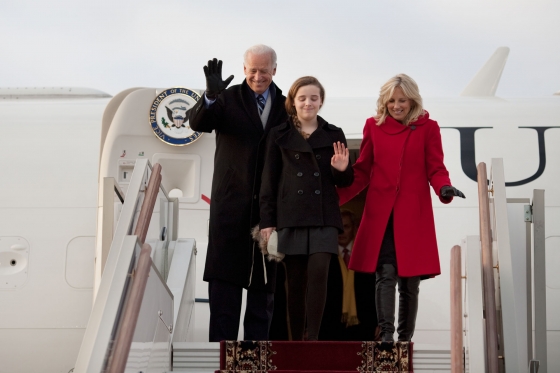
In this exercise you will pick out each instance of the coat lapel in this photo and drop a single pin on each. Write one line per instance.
(291, 139)
(392, 127)
(276, 108)
(250, 105)
(320, 138)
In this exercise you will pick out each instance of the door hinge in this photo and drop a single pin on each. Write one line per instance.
(528, 213)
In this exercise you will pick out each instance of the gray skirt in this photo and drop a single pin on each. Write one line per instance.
(308, 240)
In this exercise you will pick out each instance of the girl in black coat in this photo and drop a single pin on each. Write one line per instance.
(305, 160)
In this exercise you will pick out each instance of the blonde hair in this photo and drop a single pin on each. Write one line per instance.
(410, 90)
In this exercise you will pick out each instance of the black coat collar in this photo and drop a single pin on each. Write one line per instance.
(290, 138)
(250, 103)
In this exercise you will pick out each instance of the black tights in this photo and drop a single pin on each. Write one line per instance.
(306, 274)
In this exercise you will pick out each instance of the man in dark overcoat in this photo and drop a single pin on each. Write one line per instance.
(335, 325)
(241, 117)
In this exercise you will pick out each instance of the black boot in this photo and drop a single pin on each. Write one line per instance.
(385, 282)
(409, 287)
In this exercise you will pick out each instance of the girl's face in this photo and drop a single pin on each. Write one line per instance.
(308, 102)
(398, 105)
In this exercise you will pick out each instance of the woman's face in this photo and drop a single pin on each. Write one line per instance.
(398, 105)
(308, 102)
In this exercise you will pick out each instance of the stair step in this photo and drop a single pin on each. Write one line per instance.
(204, 357)
(286, 371)
(236, 356)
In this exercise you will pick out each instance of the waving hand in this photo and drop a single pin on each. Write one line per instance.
(214, 83)
(341, 156)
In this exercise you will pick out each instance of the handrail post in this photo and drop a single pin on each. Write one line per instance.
(487, 270)
(148, 204)
(539, 274)
(456, 311)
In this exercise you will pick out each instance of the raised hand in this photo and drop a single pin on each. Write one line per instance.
(448, 191)
(341, 156)
(214, 83)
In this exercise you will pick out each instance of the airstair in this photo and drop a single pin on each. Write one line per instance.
(145, 298)
(498, 284)
(143, 311)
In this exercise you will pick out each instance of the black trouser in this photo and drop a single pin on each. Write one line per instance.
(307, 293)
(225, 312)
(386, 280)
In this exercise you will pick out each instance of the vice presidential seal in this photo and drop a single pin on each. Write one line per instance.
(169, 116)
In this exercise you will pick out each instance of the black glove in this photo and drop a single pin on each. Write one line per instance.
(449, 191)
(214, 83)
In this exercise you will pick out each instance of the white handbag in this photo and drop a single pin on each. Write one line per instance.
(270, 248)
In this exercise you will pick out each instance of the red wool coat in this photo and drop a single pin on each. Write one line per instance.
(398, 163)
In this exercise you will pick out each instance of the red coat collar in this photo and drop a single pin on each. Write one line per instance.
(392, 127)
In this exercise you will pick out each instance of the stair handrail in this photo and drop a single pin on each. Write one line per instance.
(456, 311)
(487, 270)
(148, 204)
(127, 326)
(114, 290)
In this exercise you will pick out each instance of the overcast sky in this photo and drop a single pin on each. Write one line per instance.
(351, 46)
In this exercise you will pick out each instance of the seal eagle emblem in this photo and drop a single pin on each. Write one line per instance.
(169, 116)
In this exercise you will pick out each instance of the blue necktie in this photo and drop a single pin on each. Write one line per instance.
(261, 103)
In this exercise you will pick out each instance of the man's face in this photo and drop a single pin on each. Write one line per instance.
(348, 235)
(259, 71)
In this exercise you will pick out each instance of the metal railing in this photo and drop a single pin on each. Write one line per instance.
(487, 271)
(499, 286)
(119, 301)
(456, 311)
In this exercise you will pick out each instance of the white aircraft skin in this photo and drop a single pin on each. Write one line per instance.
(51, 163)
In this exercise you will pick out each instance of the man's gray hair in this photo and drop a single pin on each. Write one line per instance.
(261, 49)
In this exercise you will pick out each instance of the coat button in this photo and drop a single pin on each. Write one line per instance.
(300, 191)
(315, 174)
(300, 174)
(317, 191)
(412, 127)
(297, 156)
(318, 156)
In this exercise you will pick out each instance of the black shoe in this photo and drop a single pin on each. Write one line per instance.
(386, 337)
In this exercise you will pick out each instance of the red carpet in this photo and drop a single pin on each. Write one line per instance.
(317, 357)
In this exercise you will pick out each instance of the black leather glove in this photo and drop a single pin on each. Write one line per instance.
(448, 191)
(214, 83)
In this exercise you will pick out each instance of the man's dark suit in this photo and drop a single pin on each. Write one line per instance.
(332, 329)
(238, 161)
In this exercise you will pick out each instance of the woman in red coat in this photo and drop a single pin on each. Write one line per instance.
(400, 157)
